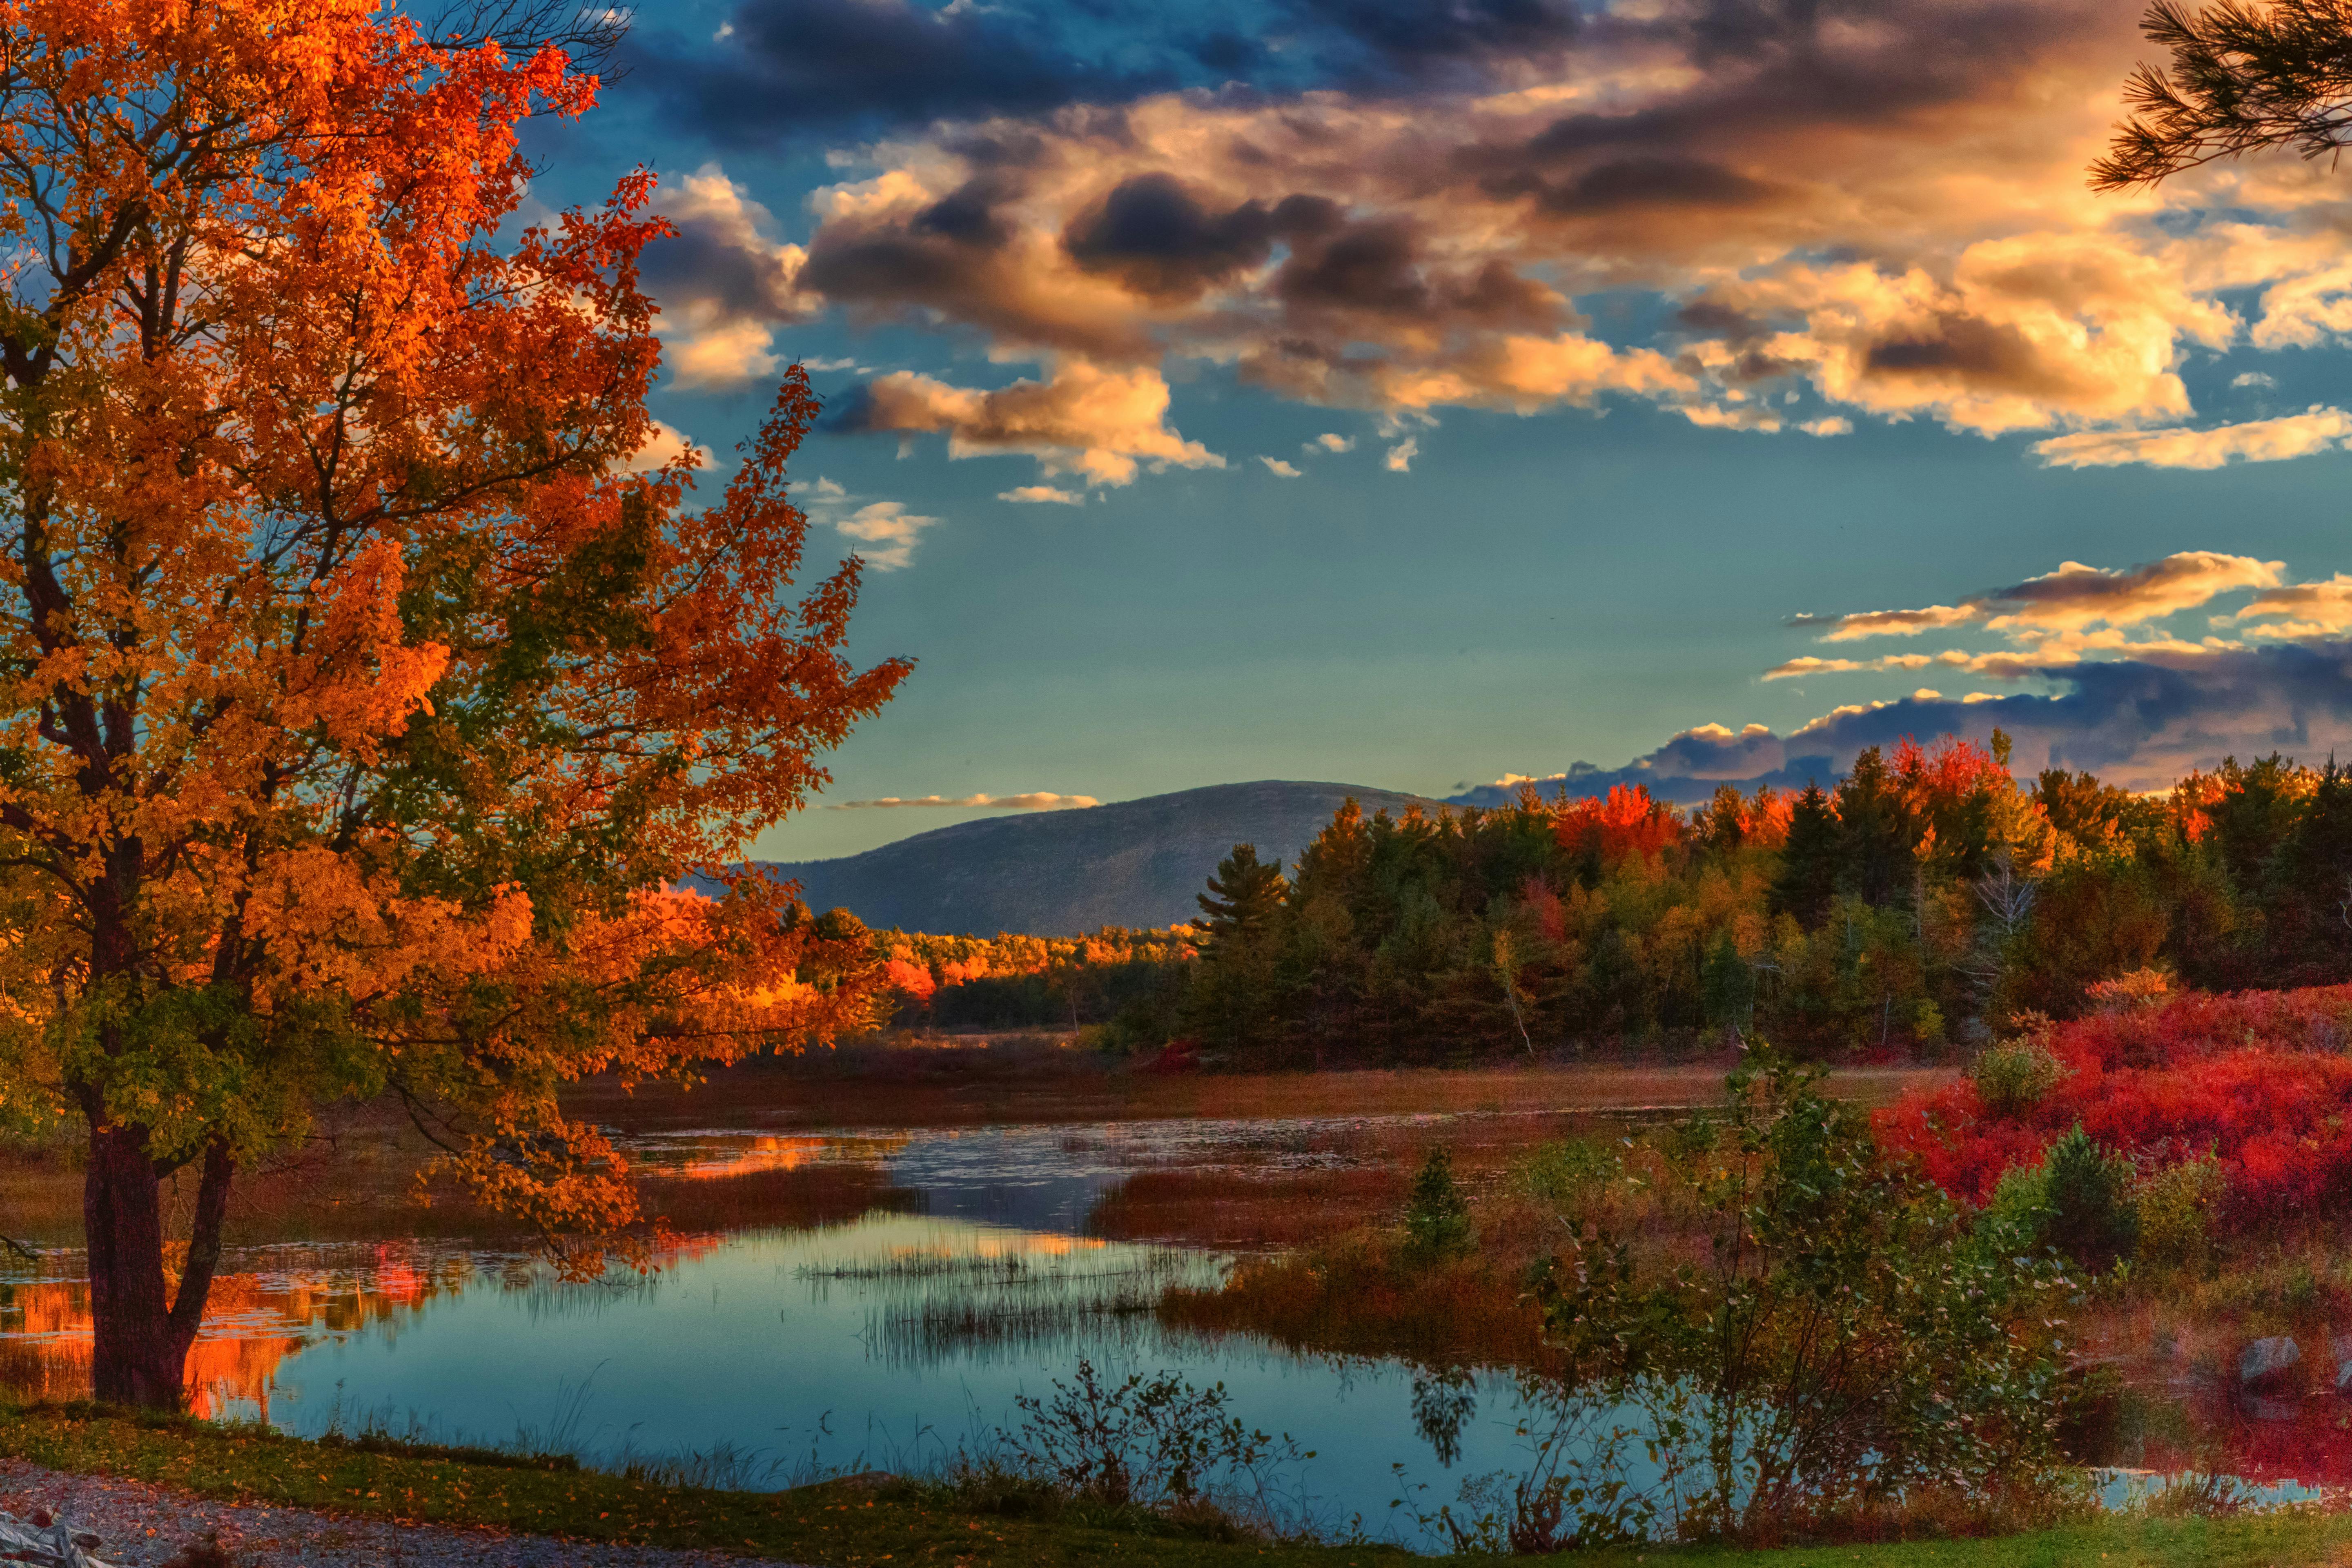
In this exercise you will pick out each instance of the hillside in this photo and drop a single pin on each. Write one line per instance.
(1059, 873)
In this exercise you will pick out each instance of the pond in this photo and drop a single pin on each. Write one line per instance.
(765, 1357)
(888, 1342)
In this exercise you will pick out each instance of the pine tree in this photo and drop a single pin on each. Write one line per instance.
(1245, 899)
(1234, 1005)
(1809, 860)
(1877, 830)
(1436, 1218)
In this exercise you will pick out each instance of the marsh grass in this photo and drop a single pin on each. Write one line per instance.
(1022, 1080)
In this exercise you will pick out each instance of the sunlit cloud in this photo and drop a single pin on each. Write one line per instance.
(884, 532)
(2256, 441)
(2071, 599)
(725, 284)
(1100, 425)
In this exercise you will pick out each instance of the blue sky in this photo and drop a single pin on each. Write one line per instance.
(1417, 395)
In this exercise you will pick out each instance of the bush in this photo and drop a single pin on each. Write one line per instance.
(1569, 1174)
(2142, 988)
(1855, 1344)
(2011, 1075)
(1436, 1217)
(1157, 1442)
(2088, 1192)
(2258, 1082)
(2176, 1203)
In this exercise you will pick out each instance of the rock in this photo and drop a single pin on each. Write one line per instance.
(47, 1542)
(2266, 1363)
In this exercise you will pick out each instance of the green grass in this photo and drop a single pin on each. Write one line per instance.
(906, 1524)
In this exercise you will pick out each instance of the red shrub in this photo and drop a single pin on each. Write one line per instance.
(2259, 1077)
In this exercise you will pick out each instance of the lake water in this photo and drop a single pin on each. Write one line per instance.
(889, 1343)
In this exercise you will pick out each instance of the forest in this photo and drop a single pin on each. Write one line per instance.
(1913, 906)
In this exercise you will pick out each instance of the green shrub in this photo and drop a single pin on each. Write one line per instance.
(1436, 1219)
(2175, 1205)
(2015, 1075)
(1568, 1175)
(2093, 1218)
(1853, 1343)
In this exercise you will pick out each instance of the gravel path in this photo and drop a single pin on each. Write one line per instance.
(143, 1526)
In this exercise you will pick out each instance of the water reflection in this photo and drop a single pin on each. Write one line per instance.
(890, 1341)
(281, 1300)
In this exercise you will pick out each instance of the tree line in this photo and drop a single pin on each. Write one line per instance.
(1923, 899)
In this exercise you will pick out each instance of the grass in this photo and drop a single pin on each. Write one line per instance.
(846, 1525)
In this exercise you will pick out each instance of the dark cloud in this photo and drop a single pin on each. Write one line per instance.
(1159, 238)
(1653, 182)
(1375, 268)
(1766, 69)
(1417, 39)
(814, 68)
(2140, 723)
(1993, 354)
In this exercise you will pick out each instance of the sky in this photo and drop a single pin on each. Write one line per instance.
(1431, 394)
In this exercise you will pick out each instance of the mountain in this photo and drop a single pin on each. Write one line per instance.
(1060, 873)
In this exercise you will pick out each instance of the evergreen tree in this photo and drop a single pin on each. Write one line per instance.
(1877, 830)
(1808, 861)
(2309, 882)
(1245, 899)
(1436, 1217)
(1235, 1005)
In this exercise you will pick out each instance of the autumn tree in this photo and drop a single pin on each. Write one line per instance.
(364, 692)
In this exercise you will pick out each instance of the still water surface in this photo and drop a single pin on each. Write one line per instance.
(890, 1342)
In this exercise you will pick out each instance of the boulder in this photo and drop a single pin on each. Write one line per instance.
(47, 1542)
(2268, 1363)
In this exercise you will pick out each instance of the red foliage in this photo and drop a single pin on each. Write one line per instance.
(909, 979)
(1954, 771)
(2258, 1077)
(1175, 1057)
(1551, 914)
(1624, 822)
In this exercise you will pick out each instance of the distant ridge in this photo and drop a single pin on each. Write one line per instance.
(1061, 873)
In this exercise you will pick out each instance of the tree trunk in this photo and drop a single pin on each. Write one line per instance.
(141, 1336)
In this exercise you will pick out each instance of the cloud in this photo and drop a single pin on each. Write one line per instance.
(1330, 441)
(1036, 800)
(1046, 493)
(2253, 378)
(890, 529)
(801, 67)
(1281, 469)
(2258, 441)
(2073, 599)
(1097, 424)
(1402, 208)
(2306, 609)
(1400, 456)
(666, 444)
(2136, 722)
(884, 532)
(724, 284)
